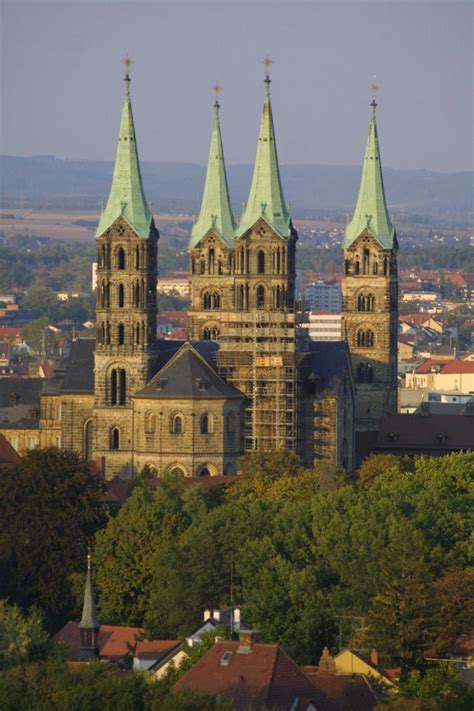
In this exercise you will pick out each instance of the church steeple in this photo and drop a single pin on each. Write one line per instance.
(266, 195)
(216, 212)
(126, 197)
(89, 624)
(371, 208)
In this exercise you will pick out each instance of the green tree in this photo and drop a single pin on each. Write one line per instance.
(376, 464)
(50, 507)
(33, 333)
(41, 298)
(125, 550)
(22, 636)
(403, 621)
(455, 592)
(440, 688)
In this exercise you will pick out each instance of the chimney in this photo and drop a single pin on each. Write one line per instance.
(326, 663)
(374, 657)
(207, 615)
(216, 614)
(248, 637)
(237, 618)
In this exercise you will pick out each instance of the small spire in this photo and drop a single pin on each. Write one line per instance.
(89, 613)
(266, 186)
(215, 212)
(126, 197)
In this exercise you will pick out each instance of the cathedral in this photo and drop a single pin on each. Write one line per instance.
(248, 378)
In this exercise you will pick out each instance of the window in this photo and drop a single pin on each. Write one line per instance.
(115, 438)
(122, 386)
(365, 302)
(261, 262)
(113, 387)
(121, 296)
(121, 258)
(150, 422)
(365, 339)
(121, 334)
(118, 386)
(177, 425)
(137, 257)
(211, 300)
(365, 373)
(260, 297)
(210, 334)
(206, 424)
(87, 446)
(366, 259)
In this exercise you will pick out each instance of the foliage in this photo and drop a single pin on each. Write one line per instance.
(455, 593)
(33, 332)
(50, 507)
(403, 621)
(95, 687)
(440, 688)
(125, 549)
(22, 637)
(376, 464)
(171, 302)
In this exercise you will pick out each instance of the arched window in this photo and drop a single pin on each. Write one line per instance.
(115, 438)
(204, 472)
(177, 424)
(210, 333)
(260, 297)
(122, 387)
(365, 302)
(375, 268)
(137, 257)
(217, 301)
(150, 422)
(137, 334)
(113, 387)
(357, 266)
(261, 262)
(365, 339)
(385, 266)
(369, 373)
(206, 423)
(360, 373)
(121, 334)
(120, 258)
(366, 260)
(87, 446)
(121, 296)
(211, 261)
(207, 301)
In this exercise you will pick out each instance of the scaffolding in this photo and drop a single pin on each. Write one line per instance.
(258, 356)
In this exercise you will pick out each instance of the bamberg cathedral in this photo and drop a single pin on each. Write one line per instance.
(248, 378)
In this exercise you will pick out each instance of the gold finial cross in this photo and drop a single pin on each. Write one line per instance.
(217, 89)
(374, 87)
(267, 63)
(127, 63)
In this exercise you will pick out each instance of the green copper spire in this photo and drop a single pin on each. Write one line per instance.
(216, 212)
(266, 195)
(126, 197)
(371, 209)
(89, 613)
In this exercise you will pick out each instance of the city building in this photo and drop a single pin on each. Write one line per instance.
(322, 296)
(323, 326)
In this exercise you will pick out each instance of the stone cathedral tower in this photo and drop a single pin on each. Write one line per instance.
(242, 290)
(370, 294)
(126, 299)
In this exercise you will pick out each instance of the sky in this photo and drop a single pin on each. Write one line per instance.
(61, 78)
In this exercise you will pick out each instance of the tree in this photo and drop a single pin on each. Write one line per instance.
(50, 507)
(33, 333)
(403, 621)
(22, 637)
(41, 298)
(455, 592)
(376, 464)
(125, 550)
(439, 689)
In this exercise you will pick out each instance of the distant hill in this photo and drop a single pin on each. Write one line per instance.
(318, 190)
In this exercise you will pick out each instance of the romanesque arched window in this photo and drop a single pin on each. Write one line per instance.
(365, 339)
(122, 394)
(87, 444)
(260, 297)
(120, 258)
(357, 265)
(118, 386)
(115, 438)
(211, 258)
(150, 422)
(261, 262)
(113, 387)
(120, 296)
(365, 302)
(177, 424)
(206, 425)
(121, 334)
(137, 257)
(366, 261)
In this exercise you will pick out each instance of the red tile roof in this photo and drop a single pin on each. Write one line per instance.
(262, 675)
(114, 641)
(347, 692)
(155, 650)
(10, 332)
(8, 455)
(464, 645)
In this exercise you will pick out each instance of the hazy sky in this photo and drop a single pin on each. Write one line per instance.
(62, 89)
